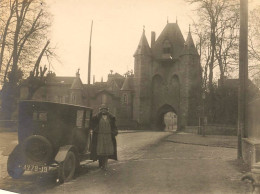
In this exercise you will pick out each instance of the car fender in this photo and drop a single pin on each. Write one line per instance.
(9, 149)
(62, 153)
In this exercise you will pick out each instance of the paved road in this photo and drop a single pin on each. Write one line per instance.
(152, 162)
(175, 165)
(131, 146)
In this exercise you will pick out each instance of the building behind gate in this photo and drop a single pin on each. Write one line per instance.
(166, 78)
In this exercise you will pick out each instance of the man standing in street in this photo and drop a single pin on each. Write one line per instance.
(104, 142)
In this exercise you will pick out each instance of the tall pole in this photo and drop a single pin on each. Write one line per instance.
(89, 54)
(243, 76)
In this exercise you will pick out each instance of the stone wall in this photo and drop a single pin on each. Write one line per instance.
(251, 144)
(213, 130)
(250, 151)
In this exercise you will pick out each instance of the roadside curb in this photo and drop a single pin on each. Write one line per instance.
(6, 130)
(201, 144)
(209, 141)
(138, 131)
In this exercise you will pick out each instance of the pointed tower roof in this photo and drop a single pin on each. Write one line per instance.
(172, 34)
(143, 46)
(189, 46)
(77, 84)
(128, 83)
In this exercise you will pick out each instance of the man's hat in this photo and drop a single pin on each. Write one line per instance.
(103, 106)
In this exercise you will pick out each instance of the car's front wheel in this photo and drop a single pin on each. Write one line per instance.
(67, 167)
(15, 163)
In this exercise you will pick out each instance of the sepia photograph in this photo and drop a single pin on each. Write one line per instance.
(130, 97)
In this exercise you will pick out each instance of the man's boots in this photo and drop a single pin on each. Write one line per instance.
(101, 163)
(105, 163)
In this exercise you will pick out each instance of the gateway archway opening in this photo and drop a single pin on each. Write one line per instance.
(170, 121)
(167, 118)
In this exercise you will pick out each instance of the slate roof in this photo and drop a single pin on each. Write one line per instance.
(189, 47)
(62, 80)
(77, 84)
(128, 83)
(92, 89)
(172, 33)
(119, 82)
(143, 46)
(116, 79)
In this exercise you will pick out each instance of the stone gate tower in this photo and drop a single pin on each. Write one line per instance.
(142, 82)
(167, 78)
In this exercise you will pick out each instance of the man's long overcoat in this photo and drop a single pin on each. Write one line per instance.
(95, 127)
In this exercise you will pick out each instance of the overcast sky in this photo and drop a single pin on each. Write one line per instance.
(117, 28)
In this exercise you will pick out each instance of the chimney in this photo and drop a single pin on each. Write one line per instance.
(77, 73)
(152, 39)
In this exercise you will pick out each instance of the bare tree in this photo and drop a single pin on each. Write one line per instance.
(5, 24)
(36, 78)
(25, 25)
(25, 29)
(218, 23)
(209, 12)
(227, 40)
(204, 50)
(217, 32)
(254, 43)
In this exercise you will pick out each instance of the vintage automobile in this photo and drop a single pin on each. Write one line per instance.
(51, 135)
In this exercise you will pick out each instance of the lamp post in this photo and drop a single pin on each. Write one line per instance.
(203, 113)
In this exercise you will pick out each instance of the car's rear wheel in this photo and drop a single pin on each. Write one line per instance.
(67, 167)
(15, 163)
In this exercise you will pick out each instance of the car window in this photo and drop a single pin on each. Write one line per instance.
(79, 122)
(87, 119)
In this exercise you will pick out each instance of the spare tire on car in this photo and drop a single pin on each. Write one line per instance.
(37, 149)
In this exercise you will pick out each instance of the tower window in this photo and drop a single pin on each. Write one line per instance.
(167, 48)
(125, 99)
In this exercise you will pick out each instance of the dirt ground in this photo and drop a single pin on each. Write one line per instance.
(7, 142)
(170, 167)
(152, 162)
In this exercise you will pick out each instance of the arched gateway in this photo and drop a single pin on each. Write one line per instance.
(161, 117)
(167, 78)
(165, 101)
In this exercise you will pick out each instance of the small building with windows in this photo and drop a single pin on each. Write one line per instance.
(165, 84)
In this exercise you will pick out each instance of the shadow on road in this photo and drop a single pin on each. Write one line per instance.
(40, 182)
